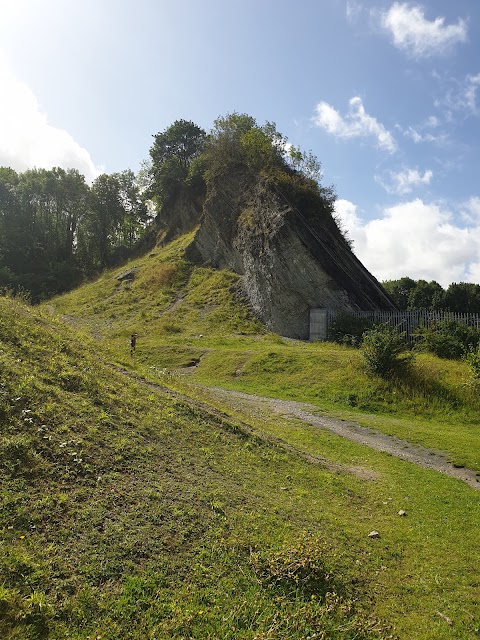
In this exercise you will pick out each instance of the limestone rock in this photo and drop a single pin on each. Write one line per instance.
(289, 264)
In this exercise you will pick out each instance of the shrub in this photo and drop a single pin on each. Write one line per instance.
(472, 358)
(346, 329)
(448, 339)
(384, 351)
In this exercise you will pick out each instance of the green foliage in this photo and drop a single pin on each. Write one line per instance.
(384, 352)
(172, 154)
(447, 339)
(399, 291)
(463, 297)
(426, 295)
(348, 330)
(472, 358)
(408, 294)
(55, 229)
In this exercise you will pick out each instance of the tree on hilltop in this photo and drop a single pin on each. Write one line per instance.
(172, 153)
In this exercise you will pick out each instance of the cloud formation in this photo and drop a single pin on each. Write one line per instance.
(419, 37)
(403, 182)
(356, 124)
(418, 240)
(27, 139)
(462, 96)
(353, 9)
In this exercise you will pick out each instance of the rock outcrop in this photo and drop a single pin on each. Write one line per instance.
(289, 264)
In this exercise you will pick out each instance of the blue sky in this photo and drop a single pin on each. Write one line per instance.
(386, 94)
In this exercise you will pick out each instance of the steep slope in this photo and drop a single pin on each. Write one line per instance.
(129, 514)
(289, 263)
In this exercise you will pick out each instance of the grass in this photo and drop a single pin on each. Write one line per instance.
(128, 514)
(179, 522)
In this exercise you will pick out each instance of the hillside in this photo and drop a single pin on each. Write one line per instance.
(185, 314)
(129, 514)
(196, 316)
(291, 258)
(132, 513)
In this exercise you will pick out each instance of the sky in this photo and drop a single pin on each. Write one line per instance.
(386, 94)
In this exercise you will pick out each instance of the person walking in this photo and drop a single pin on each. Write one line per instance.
(133, 343)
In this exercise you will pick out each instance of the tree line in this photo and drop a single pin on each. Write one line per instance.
(56, 230)
(409, 294)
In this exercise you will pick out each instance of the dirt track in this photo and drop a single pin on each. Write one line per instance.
(253, 404)
(308, 414)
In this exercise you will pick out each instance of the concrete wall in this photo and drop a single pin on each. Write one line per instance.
(318, 324)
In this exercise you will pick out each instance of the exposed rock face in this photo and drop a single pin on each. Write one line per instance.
(289, 265)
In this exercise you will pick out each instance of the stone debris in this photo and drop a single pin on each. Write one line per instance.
(127, 275)
(374, 534)
(446, 618)
(402, 513)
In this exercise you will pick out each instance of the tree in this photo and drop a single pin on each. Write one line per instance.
(116, 219)
(135, 211)
(463, 297)
(172, 153)
(399, 291)
(426, 295)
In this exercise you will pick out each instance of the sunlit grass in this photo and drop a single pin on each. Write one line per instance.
(215, 495)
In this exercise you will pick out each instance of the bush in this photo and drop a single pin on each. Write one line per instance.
(472, 358)
(384, 351)
(448, 339)
(346, 329)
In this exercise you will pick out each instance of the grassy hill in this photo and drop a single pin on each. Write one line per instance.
(136, 504)
(184, 313)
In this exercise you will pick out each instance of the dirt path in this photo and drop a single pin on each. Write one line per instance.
(250, 404)
(421, 456)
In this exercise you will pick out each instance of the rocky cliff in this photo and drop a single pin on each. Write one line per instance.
(289, 264)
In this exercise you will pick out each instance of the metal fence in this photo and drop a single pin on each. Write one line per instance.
(406, 321)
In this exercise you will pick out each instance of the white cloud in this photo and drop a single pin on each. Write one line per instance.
(423, 132)
(432, 121)
(416, 35)
(415, 239)
(464, 96)
(353, 10)
(402, 182)
(471, 211)
(28, 140)
(418, 137)
(357, 123)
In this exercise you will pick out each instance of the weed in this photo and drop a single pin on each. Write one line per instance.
(472, 358)
(448, 339)
(348, 330)
(296, 568)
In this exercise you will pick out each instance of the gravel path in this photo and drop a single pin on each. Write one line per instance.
(307, 413)
(421, 456)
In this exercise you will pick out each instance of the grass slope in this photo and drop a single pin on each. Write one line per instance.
(253, 536)
(129, 514)
(183, 312)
